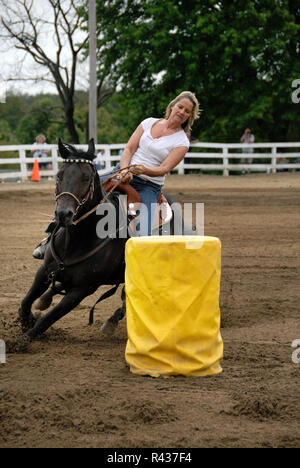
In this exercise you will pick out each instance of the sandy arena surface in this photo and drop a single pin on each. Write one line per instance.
(72, 387)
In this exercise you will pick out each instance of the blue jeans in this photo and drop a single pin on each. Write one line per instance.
(149, 193)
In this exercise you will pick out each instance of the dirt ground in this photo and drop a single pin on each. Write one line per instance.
(72, 387)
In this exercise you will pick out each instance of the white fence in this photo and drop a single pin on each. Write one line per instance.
(216, 157)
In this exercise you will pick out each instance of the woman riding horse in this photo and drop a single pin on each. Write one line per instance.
(155, 148)
(77, 261)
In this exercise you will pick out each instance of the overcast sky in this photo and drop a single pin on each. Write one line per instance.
(17, 64)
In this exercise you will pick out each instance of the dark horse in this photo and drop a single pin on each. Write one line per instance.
(76, 261)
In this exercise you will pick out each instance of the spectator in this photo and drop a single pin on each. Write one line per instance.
(247, 139)
(100, 165)
(282, 161)
(41, 152)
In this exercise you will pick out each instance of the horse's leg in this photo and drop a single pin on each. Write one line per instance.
(68, 303)
(111, 324)
(45, 301)
(40, 285)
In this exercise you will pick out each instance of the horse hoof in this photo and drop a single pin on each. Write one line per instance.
(43, 303)
(37, 314)
(108, 328)
(26, 321)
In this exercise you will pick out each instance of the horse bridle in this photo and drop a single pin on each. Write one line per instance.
(90, 191)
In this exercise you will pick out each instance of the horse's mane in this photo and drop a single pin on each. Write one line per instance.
(71, 152)
(78, 154)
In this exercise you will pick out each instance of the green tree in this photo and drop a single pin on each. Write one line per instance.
(114, 121)
(23, 117)
(15, 107)
(5, 133)
(24, 27)
(43, 112)
(239, 57)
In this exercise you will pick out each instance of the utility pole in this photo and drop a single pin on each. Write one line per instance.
(93, 71)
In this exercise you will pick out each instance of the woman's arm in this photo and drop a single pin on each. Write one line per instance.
(129, 151)
(172, 160)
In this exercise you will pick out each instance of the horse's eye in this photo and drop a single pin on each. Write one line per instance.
(85, 178)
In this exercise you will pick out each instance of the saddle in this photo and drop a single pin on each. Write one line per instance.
(163, 213)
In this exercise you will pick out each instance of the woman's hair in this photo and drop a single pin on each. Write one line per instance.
(195, 112)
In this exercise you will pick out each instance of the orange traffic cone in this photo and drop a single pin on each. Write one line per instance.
(35, 177)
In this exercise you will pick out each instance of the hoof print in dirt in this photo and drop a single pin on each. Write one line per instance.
(20, 345)
(108, 328)
(259, 408)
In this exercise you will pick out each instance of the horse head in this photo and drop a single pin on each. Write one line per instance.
(75, 182)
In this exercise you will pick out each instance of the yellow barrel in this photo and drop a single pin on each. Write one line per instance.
(172, 304)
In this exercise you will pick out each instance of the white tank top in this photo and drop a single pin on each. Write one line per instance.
(153, 151)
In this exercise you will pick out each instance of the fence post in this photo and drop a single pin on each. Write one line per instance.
(54, 160)
(225, 161)
(23, 165)
(107, 158)
(274, 159)
(181, 167)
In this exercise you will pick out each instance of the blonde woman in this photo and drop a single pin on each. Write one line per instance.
(155, 148)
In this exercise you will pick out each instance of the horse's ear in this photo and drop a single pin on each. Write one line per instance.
(92, 149)
(64, 151)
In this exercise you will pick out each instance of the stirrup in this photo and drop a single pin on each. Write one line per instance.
(39, 251)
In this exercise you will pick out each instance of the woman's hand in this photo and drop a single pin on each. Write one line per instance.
(138, 169)
(125, 176)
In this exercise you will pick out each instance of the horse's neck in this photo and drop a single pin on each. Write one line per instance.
(89, 208)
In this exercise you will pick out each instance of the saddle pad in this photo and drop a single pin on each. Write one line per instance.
(132, 195)
(172, 288)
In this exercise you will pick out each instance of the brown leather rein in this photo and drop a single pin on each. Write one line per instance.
(105, 196)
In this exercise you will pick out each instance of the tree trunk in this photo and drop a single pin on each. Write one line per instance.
(73, 135)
